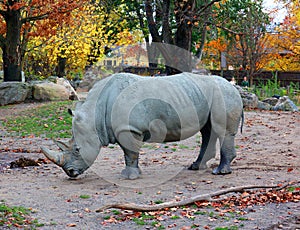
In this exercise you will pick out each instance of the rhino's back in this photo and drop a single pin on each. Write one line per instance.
(181, 102)
(172, 105)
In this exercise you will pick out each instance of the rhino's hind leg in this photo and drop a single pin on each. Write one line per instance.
(131, 173)
(208, 148)
(227, 155)
(132, 170)
(130, 144)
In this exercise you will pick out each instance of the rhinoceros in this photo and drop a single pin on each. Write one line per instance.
(128, 109)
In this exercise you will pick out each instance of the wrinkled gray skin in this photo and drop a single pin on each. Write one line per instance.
(128, 109)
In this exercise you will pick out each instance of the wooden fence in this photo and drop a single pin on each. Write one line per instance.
(284, 78)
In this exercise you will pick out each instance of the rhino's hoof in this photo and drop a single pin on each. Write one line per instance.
(223, 171)
(131, 173)
(194, 166)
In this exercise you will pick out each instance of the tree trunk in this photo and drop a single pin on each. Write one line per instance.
(183, 36)
(61, 67)
(183, 41)
(12, 57)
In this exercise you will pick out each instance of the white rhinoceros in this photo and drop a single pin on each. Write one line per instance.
(128, 109)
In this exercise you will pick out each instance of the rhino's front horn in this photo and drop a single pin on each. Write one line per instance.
(55, 157)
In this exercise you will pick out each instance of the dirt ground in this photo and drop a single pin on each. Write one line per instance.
(268, 153)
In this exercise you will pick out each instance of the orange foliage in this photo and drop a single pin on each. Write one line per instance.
(46, 14)
(215, 46)
(284, 43)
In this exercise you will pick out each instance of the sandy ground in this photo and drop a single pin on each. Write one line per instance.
(268, 153)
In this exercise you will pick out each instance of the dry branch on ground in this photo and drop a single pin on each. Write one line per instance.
(202, 197)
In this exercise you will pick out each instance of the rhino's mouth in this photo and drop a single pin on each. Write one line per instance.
(72, 173)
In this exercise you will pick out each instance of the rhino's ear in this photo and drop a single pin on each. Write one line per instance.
(71, 112)
(77, 106)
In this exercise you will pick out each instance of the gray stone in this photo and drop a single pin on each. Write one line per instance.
(250, 100)
(13, 92)
(1, 75)
(285, 104)
(272, 101)
(72, 93)
(91, 77)
(264, 105)
(48, 91)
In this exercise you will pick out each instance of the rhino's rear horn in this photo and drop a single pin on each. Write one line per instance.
(55, 157)
(64, 146)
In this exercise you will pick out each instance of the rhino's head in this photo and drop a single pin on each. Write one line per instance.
(69, 158)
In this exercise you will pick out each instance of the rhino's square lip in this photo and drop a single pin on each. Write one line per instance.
(72, 173)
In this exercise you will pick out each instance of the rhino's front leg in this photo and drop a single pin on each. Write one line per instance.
(132, 170)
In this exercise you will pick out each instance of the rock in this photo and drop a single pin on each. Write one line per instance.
(201, 71)
(52, 79)
(264, 105)
(13, 92)
(90, 78)
(285, 104)
(250, 100)
(272, 101)
(72, 93)
(49, 91)
(1, 75)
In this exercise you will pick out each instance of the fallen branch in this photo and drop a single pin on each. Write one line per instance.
(203, 197)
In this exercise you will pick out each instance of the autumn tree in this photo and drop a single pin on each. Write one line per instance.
(17, 20)
(242, 36)
(247, 46)
(184, 25)
(176, 21)
(284, 41)
(91, 32)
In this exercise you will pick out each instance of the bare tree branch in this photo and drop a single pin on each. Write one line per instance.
(207, 6)
(2, 12)
(203, 197)
(2, 40)
(35, 18)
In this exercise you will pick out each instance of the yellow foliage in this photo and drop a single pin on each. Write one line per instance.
(88, 34)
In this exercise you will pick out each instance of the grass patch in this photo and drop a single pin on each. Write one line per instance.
(175, 217)
(139, 221)
(116, 212)
(85, 196)
(181, 146)
(51, 120)
(227, 228)
(158, 202)
(17, 217)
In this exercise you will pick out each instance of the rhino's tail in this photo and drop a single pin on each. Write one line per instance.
(243, 118)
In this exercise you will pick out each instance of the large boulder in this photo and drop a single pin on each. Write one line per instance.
(72, 93)
(49, 91)
(1, 75)
(264, 105)
(13, 92)
(272, 101)
(91, 77)
(285, 104)
(250, 100)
